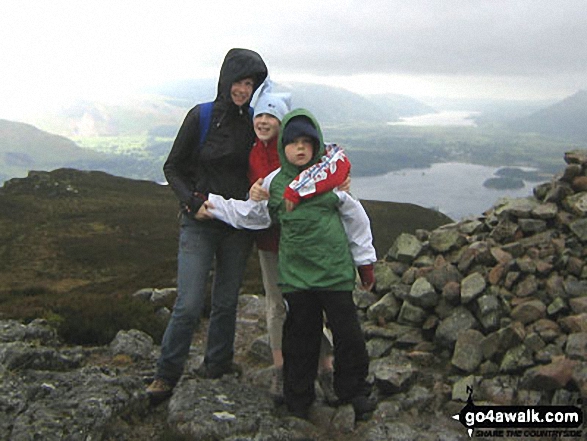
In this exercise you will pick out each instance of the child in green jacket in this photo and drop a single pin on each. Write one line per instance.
(323, 240)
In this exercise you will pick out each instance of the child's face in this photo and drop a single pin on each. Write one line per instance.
(241, 91)
(266, 126)
(300, 151)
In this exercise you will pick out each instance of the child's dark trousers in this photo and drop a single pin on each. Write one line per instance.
(302, 333)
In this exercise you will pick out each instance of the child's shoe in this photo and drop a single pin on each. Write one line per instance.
(364, 407)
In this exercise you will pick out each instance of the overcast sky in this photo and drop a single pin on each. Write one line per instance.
(51, 50)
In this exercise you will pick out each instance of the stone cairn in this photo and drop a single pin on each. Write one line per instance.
(501, 298)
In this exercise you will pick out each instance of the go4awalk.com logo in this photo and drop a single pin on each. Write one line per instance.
(521, 421)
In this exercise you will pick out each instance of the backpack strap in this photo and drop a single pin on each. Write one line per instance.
(206, 119)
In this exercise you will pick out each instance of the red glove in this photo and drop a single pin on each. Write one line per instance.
(367, 276)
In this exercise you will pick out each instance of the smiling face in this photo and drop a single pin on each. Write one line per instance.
(241, 91)
(266, 127)
(300, 151)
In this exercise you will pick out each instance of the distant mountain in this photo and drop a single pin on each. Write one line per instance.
(337, 105)
(567, 119)
(159, 110)
(129, 116)
(24, 147)
(400, 105)
(329, 104)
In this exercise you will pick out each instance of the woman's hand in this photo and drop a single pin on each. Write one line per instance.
(257, 192)
(203, 214)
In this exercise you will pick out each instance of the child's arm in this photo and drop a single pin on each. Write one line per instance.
(358, 229)
(250, 214)
(332, 170)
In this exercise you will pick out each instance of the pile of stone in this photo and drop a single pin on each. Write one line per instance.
(502, 298)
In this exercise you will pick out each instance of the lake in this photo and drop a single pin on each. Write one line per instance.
(442, 118)
(455, 189)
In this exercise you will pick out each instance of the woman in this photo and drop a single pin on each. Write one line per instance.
(217, 166)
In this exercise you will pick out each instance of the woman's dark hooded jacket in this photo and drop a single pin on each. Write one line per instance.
(219, 165)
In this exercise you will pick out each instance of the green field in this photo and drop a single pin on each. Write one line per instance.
(378, 148)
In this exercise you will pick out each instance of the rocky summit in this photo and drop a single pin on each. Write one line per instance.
(492, 309)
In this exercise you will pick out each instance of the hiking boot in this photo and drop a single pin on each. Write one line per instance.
(214, 372)
(326, 382)
(364, 407)
(159, 390)
(276, 388)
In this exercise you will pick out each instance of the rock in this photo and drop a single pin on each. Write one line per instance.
(384, 310)
(136, 344)
(468, 354)
(527, 286)
(449, 329)
(364, 299)
(516, 360)
(445, 239)
(577, 346)
(545, 211)
(576, 203)
(452, 292)
(500, 390)
(379, 347)
(578, 305)
(392, 378)
(21, 355)
(385, 277)
(574, 323)
(411, 314)
(532, 226)
(405, 248)
(553, 376)
(574, 287)
(471, 287)
(163, 295)
(461, 387)
(519, 207)
(423, 294)
(489, 312)
(261, 350)
(576, 157)
(344, 419)
(579, 228)
(580, 378)
(530, 311)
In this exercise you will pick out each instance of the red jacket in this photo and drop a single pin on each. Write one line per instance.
(263, 159)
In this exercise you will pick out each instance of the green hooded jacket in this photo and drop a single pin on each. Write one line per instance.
(313, 247)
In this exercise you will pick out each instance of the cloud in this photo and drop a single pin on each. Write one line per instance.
(456, 37)
(66, 47)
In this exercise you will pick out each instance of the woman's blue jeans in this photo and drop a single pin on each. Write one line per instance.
(202, 244)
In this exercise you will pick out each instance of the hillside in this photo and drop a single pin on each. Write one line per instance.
(67, 232)
(567, 118)
(24, 147)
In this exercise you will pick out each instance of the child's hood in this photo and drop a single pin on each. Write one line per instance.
(286, 166)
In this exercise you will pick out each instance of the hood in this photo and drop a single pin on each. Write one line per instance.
(275, 104)
(239, 64)
(288, 168)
